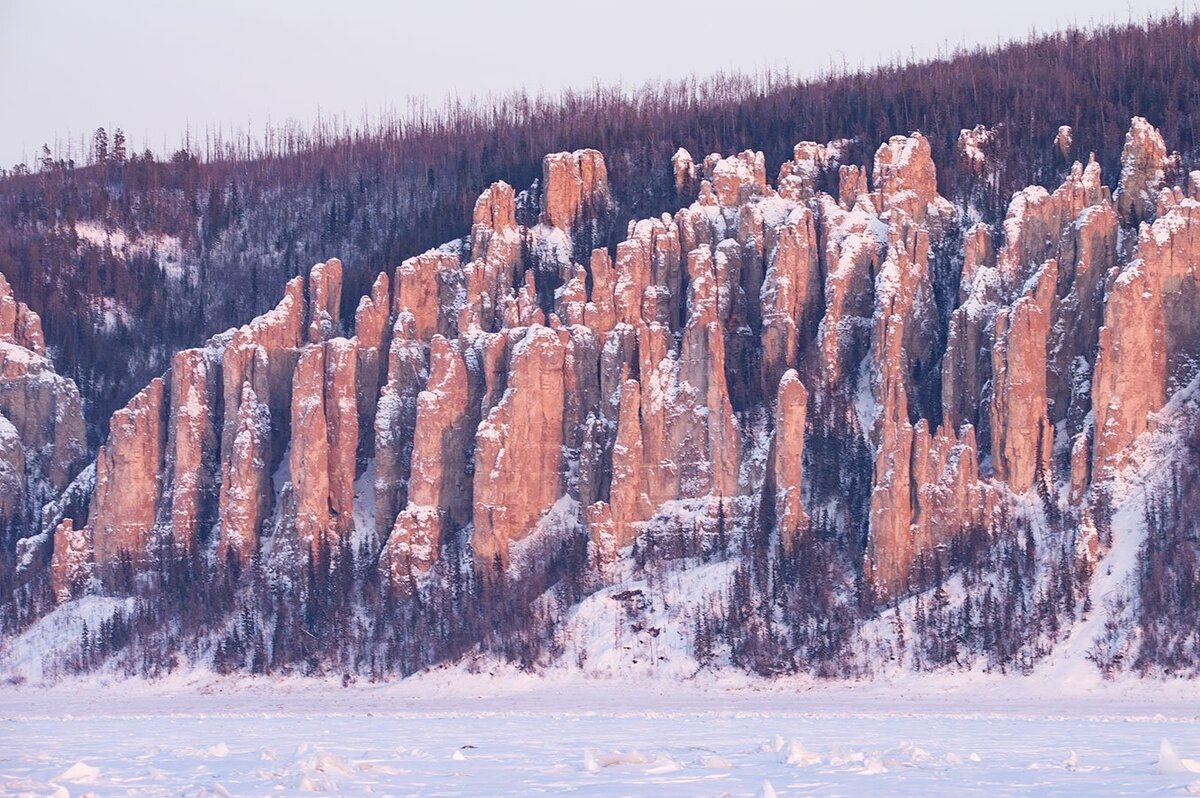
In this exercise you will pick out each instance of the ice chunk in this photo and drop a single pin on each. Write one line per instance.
(767, 791)
(1169, 761)
(80, 773)
(797, 754)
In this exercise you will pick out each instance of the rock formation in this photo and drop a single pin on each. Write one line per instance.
(518, 448)
(129, 476)
(527, 387)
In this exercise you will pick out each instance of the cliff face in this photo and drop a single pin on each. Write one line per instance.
(42, 436)
(729, 367)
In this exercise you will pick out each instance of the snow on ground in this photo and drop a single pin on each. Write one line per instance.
(452, 733)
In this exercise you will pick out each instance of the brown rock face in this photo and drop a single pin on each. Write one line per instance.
(649, 274)
(906, 178)
(735, 180)
(372, 333)
(1063, 141)
(426, 286)
(12, 476)
(516, 384)
(395, 422)
(799, 178)
(925, 486)
(1148, 344)
(190, 492)
(71, 567)
(246, 495)
(256, 377)
(439, 496)
(324, 301)
(853, 254)
(1143, 175)
(46, 411)
(129, 475)
(1022, 437)
(791, 412)
(966, 369)
(324, 442)
(629, 503)
(791, 297)
(18, 324)
(974, 147)
(573, 184)
(518, 448)
(497, 253)
(700, 415)
(685, 172)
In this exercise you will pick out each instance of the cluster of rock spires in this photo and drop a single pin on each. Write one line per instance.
(43, 442)
(501, 390)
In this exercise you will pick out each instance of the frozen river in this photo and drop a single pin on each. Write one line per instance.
(573, 740)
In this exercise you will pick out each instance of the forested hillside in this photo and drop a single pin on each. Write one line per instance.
(130, 256)
(910, 382)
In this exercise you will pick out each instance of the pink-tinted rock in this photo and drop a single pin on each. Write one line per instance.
(574, 184)
(395, 422)
(1143, 165)
(190, 489)
(324, 301)
(518, 449)
(71, 567)
(19, 325)
(129, 474)
(439, 496)
(791, 412)
(1022, 436)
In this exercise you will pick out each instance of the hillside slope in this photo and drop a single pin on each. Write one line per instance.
(129, 257)
(782, 429)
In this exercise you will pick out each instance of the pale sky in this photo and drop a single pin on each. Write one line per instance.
(156, 67)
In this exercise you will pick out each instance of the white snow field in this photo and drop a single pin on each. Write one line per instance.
(452, 733)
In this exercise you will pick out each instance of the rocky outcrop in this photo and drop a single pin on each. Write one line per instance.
(439, 495)
(518, 448)
(12, 476)
(574, 187)
(19, 325)
(256, 378)
(426, 287)
(42, 436)
(904, 177)
(46, 411)
(71, 567)
(129, 477)
(852, 256)
(1149, 345)
(246, 494)
(791, 296)
(1143, 172)
(735, 180)
(324, 443)
(519, 390)
(372, 334)
(324, 300)
(685, 172)
(1022, 437)
(395, 422)
(791, 411)
(190, 487)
